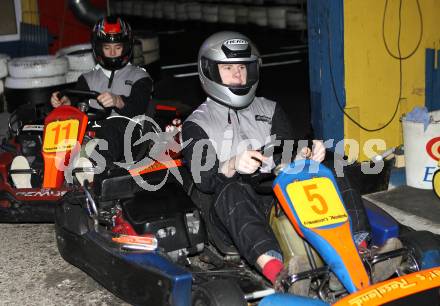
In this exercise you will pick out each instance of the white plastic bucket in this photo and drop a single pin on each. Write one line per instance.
(422, 151)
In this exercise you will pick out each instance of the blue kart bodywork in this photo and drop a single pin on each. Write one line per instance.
(152, 278)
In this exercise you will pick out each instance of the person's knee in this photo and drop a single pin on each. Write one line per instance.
(232, 195)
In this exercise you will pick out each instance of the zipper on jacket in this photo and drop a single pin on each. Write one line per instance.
(110, 80)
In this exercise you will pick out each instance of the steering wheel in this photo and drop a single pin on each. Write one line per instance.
(262, 182)
(93, 114)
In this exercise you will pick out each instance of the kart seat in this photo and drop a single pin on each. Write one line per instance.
(114, 184)
(167, 212)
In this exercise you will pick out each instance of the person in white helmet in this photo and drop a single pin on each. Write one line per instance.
(228, 65)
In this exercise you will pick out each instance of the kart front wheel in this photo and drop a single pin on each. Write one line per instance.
(425, 246)
(218, 293)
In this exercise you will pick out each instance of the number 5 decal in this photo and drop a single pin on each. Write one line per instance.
(323, 208)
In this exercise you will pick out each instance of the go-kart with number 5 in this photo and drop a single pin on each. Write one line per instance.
(159, 247)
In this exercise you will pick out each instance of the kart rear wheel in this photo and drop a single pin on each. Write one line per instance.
(425, 246)
(218, 293)
(436, 183)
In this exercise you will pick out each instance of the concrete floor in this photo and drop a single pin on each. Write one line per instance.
(33, 272)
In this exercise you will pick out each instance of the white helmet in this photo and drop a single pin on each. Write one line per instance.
(229, 48)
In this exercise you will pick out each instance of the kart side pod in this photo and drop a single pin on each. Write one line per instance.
(310, 198)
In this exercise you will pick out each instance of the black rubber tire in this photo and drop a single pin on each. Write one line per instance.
(420, 242)
(218, 293)
(33, 96)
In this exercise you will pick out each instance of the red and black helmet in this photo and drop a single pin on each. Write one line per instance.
(112, 30)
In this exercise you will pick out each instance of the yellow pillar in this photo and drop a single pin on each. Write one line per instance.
(372, 75)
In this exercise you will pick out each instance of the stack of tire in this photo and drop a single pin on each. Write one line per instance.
(181, 11)
(32, 80)
(148, 9)
(257, 16)
(169, 10)
(80, 59)
(194, 11)
(227, 14)
(241, 14)
(138, 55)
(276, 17)
(3, 73)
(296, 19)
(149, 42)
(210, 13)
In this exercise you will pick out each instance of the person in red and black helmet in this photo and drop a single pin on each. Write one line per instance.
(124, 88)
(112, 30)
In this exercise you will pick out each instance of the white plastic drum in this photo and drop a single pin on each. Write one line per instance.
(258, 16)
(3, 65)
(226, 14)
(37, 66)
(210, 13)
(194, 11)
(2, 88)
(23, 83)
(422, 151)
(276, 17)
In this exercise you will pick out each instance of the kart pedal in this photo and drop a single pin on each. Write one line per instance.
(81, 176)
(21, 180)
(210, 257)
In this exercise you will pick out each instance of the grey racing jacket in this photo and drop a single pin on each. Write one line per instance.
(132, 83)
(216, 131)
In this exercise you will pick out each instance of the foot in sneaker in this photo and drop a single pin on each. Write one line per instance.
(82, 176)
(21, 180)
(385, 269)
